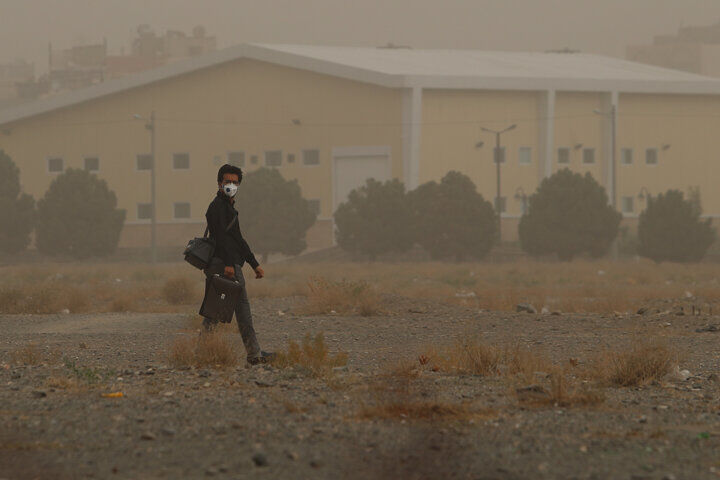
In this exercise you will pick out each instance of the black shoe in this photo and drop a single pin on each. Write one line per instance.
(265, 357)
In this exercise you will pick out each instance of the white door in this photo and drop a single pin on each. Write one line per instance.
(352, 170)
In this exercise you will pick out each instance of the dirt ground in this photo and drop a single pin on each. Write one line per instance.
(265, 422)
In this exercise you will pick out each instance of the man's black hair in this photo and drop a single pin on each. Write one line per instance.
(227, 168)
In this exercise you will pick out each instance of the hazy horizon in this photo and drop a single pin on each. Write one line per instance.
(595, 27)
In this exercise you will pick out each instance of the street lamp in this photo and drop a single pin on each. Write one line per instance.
(498, 158)
(150, 126)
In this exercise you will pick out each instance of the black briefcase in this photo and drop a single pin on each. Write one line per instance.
(221, 297)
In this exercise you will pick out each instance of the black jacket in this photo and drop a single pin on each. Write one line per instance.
(230, 246)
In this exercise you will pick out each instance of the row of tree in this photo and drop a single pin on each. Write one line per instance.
(568, 215)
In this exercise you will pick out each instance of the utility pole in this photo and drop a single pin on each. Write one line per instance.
(153, 218)
(498, 157)
(150, 126)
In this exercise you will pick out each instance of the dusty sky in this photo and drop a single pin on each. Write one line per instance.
(599, 26)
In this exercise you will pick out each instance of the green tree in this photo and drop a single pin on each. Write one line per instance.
(670, 229)
(451, 219)
(78, 217)
(273, 214)
(17, 210)
(569, 215)
(374, 220)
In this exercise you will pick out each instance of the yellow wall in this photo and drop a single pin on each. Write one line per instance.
(689, 124)
(451, 128)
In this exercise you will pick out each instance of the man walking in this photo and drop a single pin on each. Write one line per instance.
(231, 252)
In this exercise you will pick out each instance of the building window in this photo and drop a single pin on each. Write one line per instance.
(314, 206)
(181, 209)
(291, 158)
(236, 158)
(254, 159)
(273, 158)
(92, 164)
(55, 164)
(500, 204)
(499, 155)
(563, 156)
(588, 156)
(628, 204)
(525, 156)
(181, 161)
(144, 161)
(651, 156)
(311, 157)
(626, 156)
(144, 211)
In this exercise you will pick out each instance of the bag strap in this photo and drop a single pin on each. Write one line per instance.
(227, 229)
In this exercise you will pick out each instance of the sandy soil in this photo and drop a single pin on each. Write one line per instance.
(261, 422)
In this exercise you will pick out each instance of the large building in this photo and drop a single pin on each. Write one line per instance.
(331, 117)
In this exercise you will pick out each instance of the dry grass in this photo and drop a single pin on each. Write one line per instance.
(217, 349)
(28, 354)
(179, 291)
(311, 357)
(470, 356)
(63, 383)
(564, 390)
(422, 410)
(640, 364)
(344, 297)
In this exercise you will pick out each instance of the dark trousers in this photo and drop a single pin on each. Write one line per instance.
(242, 309)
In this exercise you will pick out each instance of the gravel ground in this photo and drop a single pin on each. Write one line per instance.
(262, 422)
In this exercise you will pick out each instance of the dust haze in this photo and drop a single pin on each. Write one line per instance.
(335, 239)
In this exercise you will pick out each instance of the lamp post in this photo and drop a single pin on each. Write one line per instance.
(497, 158)
(150, 126)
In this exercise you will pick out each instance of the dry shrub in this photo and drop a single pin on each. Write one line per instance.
(27, 355)
(63, 383)
(640, 364)
(122, 303)
(210, 349)
(312, 356)
(42, 298)
(344, 297)
(470, 356)
(564, 390)
(179, 291)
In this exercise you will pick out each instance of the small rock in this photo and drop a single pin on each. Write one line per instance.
(525, 307)
(168, 431)
(688, 294)
(292, 455)
(343, 368)
(544, 310)
(210, 472)
(39, 394)
(147, 436)
(260, 383)
(204, 373)
(260, 460)
(642, 310)
(65, 311)
(709, 328)
(315, 463)
(713, 377)
(642, 419)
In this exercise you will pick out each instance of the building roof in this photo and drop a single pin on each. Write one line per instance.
(403, 67)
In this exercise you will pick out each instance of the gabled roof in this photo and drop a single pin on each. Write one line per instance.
(401, 67)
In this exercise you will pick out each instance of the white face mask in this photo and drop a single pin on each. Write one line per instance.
(230, 189)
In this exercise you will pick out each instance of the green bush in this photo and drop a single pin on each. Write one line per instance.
(569, 215)
(273, 214)
(77, 217)
(670, 229)
(17, 210)
(374, 220)
(451, 219)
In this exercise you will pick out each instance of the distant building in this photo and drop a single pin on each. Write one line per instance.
(12, 74)
(692, 49)
(81, 66)
(331, 117)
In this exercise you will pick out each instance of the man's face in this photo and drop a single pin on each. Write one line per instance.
(229, 178)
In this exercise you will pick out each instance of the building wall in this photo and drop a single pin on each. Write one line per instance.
(244, 105)
(451, 130)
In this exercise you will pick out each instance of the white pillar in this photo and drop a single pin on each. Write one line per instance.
(547, 133)
(411, 130)
(610, 101)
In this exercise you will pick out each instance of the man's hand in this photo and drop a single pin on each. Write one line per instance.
(259, 272)
(229, 272)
